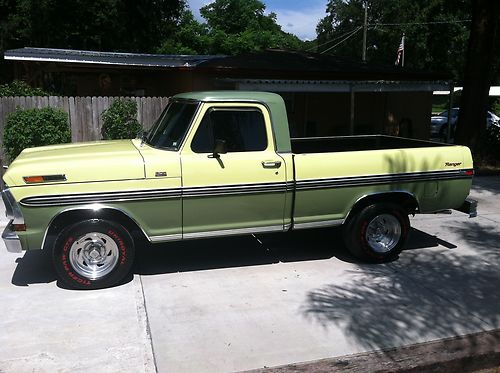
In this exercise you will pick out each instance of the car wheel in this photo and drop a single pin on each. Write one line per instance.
(378, 232)
(93, 254)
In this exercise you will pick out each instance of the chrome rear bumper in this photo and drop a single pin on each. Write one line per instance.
(469, 207)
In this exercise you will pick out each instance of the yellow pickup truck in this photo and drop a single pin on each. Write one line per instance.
(218, 164)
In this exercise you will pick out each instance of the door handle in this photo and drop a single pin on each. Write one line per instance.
(271, 164)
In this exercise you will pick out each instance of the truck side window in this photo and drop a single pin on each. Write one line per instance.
(244, 130)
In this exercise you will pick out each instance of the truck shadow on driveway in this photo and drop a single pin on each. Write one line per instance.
(314, 244)
(36, 267)
(236, 252)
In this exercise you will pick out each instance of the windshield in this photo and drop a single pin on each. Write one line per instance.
(170, 129)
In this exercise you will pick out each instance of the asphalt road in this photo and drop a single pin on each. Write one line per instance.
(252, 302)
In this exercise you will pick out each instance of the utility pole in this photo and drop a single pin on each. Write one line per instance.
(365, 26)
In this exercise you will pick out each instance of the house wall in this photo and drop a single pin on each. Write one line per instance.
(310, 114)
(71, 80)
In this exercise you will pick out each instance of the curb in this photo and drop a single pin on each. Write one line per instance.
(468, 353)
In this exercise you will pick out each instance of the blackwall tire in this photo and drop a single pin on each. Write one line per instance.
(377, 233)
(93, 254)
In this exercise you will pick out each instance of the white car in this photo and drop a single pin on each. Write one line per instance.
(439, 123)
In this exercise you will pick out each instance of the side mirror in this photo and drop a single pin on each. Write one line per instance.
(219, 147)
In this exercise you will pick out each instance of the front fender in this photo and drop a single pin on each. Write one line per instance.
(71, 215)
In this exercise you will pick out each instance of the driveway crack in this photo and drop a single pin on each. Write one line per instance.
(150, 365)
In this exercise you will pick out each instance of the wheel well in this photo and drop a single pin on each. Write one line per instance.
(67, 218)
(404, 199)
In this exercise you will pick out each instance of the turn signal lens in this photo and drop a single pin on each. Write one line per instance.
(33, 179)
(19, 227)
(43, 178)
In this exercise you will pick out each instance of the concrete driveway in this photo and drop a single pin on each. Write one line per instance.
(252, 302)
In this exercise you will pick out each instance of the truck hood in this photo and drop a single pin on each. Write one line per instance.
(81, 162)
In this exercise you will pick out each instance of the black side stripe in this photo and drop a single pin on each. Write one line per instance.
(235, 189)
(72, 199)
(240, 189)
(382, 179)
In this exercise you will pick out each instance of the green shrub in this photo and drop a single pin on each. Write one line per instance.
(119, 120)
(34, 127)
(20, 88)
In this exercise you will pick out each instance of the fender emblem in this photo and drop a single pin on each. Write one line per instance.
(453, 164)
(160, 173)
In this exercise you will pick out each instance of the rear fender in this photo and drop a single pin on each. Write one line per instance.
(403, 198)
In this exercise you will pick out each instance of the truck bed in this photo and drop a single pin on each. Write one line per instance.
(354, 143)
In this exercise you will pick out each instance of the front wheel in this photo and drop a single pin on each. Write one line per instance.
(93, 254)
(378, 232)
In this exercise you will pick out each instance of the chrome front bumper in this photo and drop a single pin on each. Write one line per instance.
(11, 239)
(13, 213)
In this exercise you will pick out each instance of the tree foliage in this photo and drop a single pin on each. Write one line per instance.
(35, 127)
(478, 77)
(428, 45)
(231, 27)
(109, 25)
(237, 16)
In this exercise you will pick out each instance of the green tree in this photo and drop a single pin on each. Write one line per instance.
(102, 25)
(237, 16)
(232, 27)
(478, 75)
(110, 25)
(190, 37)
(429, 45)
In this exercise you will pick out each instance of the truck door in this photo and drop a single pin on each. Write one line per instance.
(233, 180)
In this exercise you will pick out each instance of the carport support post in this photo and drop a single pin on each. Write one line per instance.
(351, 117)
(450, 105)
(365, 26)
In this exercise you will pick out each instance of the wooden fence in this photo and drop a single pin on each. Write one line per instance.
(84, 112)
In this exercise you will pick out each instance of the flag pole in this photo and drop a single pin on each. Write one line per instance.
(403, 56)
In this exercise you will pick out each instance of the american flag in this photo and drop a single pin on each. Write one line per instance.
(401, 50)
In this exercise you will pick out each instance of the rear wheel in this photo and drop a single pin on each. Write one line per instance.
(378, 232)
(93, 254)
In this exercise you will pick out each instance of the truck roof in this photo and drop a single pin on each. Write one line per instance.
(273, 101)
(211, 96)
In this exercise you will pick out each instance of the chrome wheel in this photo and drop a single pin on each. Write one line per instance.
(94, 255)
(383, 233)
